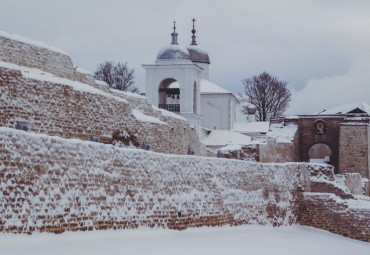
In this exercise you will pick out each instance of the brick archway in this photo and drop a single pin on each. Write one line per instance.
(320, 153)
(309, 135)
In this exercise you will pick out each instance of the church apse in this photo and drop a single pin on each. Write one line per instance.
(169, 95)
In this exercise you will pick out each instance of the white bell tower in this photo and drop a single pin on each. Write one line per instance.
(173, 82)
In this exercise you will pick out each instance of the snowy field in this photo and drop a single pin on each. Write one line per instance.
(222, 240)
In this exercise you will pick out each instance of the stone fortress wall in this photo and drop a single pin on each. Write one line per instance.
(54, 184)
(50, 182)
(354, 148)
(38, 56)
(55, 99)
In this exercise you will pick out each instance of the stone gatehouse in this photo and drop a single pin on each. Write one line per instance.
(342, 140)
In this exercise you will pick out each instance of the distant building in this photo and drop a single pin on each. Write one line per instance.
(179, 82)
(339, 136)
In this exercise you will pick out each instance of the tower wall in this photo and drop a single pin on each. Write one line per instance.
(354, 148)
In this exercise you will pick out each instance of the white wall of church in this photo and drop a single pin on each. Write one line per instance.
(218, 111)
(205, 73)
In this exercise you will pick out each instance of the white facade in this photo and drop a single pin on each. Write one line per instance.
(187, 74)
(201, 102)
(217, 106)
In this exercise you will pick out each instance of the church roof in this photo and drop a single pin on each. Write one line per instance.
(223, 137)
(208, 87)
(356, 107)
(173, 52)
(197, 54)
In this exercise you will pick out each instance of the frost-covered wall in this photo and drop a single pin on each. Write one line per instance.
(328, 204)
(354, 148)
(54, 184)
(279, 146)
(56, 99)
(24, 52)
(349, 218)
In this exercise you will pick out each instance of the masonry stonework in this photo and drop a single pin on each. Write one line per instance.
(354, 148)
(326, 212)
(53, 184)
(278, 152)
(51, 61)
(57, 108)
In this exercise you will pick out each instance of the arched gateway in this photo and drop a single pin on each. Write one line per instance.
(320, 153)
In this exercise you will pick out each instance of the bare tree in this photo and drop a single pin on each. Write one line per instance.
(267, 94)
(118, 76)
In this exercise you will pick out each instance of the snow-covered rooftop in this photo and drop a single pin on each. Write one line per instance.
(208, 87)
(252, 127)
(282, 134)
(343, 109)
(173, 52)
(224, 137)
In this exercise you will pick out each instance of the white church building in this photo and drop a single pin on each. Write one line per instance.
(179, 82)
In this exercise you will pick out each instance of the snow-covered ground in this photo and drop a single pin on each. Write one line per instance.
(249, 240)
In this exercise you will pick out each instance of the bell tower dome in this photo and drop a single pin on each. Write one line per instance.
(197, 54)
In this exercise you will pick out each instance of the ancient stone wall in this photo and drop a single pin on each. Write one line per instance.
(34, 55)
(270, 152)
(354, 148)
(274, 152)
(250, 152)
(327, 211)
(328, 204)
(67, 106)
(54, 184)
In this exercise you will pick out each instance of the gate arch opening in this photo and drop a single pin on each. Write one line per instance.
(320, 153)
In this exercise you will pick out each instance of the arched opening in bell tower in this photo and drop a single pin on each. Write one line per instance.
(169, 95)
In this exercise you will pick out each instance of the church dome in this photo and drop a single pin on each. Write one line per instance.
(173, 52)
(197, 54)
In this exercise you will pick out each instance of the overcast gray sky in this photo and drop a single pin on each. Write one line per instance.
(321, 48)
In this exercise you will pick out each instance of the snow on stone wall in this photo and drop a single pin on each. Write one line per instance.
(54, 184)
(279, 146)
(349, 218)
(24, 52)
(77, 110)
(328, 204)
(354, 148)
(41, 87)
